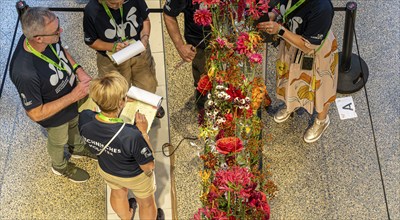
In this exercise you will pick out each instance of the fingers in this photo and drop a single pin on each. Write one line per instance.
(268, 27)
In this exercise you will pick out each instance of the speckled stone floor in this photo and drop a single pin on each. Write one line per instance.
(339, 177)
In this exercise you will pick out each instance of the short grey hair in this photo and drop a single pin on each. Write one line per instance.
(34, 20)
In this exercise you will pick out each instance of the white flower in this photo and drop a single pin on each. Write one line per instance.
(242, 101)
(247, 99)
(209, 95)
(227, 97)
(247, 106)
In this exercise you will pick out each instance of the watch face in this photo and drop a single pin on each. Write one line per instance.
(281, 32)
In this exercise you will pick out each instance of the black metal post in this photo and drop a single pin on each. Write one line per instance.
(350, 72)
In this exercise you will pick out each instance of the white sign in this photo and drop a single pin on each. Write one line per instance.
(346, 107)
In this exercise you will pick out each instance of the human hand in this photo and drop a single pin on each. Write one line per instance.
(80, 91)
(121, 45)
(187, 52)
(82, 75)
(271, 27)
(141, 122)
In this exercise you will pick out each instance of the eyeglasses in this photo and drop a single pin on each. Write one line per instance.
(57, 32)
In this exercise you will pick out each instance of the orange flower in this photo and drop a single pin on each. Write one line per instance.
(229, 145)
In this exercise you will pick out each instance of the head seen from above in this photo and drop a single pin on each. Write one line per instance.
(41, 25)
(109, 92)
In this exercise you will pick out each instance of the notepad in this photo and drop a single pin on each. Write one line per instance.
(146, 102)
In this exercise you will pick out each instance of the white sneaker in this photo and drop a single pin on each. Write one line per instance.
(316, 130)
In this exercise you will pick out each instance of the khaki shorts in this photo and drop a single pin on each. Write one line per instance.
(142, 185)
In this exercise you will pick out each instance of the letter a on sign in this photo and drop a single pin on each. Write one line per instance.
(346, 107)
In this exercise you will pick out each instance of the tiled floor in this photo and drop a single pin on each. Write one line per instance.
(339, 177)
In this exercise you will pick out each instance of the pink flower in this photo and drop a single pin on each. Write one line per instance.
(242, 42)
(234, 179)
(263, 6)
(255, 58)
(210, 213)
(202, 17)
(221, 42)
(253, 13)
(207, 3)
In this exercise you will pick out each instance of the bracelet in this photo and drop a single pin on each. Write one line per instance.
(75, 67)
(114, 46)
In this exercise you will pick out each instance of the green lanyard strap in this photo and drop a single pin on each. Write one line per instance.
(44, 57)
(121, 11)
(291, 9)
(105, 118)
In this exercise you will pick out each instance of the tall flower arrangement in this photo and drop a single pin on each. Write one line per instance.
(234, 186)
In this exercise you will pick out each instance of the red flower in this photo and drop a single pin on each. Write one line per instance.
(210, 213)
(233, 179)
(204, 85)
(234, 93)
(202, 17)
(229, 145)
(206, 2)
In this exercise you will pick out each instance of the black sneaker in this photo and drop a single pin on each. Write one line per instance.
(84, 153)
(160, 112)
(72, 172)
(133, 206)
(160, 214)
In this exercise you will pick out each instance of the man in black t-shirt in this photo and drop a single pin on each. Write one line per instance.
(44, 74)
(109, 25)
(193, 50)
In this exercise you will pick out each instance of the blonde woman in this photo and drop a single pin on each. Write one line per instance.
(124, 151)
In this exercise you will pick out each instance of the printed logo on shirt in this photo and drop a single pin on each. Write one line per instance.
(131, 21)
(318, 37)
(145, 152)
(25, 100)
(58, 77)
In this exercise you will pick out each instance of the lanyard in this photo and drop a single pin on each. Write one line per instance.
(105, 118)
(121, 11)
(291, 9)
(44, 57)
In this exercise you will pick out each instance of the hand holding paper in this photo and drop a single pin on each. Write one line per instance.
(128, 52)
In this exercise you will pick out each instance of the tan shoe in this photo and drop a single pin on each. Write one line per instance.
(282, 115)
(316, 130)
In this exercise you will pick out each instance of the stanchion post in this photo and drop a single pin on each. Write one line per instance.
(351, 78)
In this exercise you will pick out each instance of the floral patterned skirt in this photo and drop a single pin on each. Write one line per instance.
(307, 88)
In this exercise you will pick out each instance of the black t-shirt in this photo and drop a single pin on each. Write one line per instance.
(39, 82)
(123, 156)
(193, 33)
(98, 25)
(312, 19)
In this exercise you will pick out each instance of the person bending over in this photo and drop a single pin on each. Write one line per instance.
(124, 151)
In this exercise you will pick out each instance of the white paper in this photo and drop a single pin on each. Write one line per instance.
(128, 52)
(144, 96)
(346, 108)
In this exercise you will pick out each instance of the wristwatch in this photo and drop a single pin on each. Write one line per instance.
(281, 31)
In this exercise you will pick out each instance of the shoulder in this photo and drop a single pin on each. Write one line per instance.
(86, 116)
(22, 68)
(321, 7)
(92, 7)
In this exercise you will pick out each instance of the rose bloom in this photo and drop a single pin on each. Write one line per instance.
(229, 145)
(204, 85)
(202, 17)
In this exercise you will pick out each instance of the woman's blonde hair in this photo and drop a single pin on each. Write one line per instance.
(109, 91)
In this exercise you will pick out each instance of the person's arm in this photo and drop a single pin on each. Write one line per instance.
(142, 124)
(145, 33)
(186, 51)
(49, 109)
(107, 46)
(271, 27)
(148, 167)
(80, 72)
